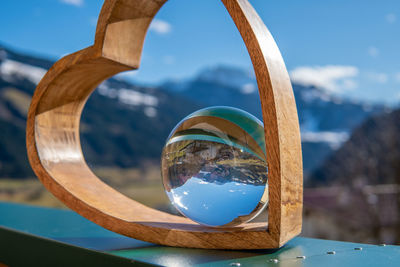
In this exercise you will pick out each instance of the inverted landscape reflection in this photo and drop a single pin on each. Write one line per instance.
(214, 171)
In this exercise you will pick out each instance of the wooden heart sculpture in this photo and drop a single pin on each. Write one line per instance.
(55, 153)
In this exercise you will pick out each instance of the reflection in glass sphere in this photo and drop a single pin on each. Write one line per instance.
(214, 167)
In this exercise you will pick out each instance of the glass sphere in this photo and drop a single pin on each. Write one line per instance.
(214, 167)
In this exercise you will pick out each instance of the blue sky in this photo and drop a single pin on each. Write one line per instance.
(350, 48)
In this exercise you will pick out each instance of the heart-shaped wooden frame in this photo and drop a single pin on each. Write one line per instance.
(55, 153)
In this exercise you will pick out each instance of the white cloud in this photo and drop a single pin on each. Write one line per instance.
(391, 18)
(373, 51)
(378, 77)
(333, 78)
(160, 26)
(73, 2)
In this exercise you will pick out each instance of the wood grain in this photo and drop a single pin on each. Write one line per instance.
(54, 148)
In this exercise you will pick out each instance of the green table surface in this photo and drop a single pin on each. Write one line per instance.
(36, 236)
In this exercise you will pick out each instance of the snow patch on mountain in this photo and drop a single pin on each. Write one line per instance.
(131, 97)
(11, 69)
(310, 122)
(150, 112)
(311, 132)
(309, 96)
(134, 98)
(248, 88)
(334, 139)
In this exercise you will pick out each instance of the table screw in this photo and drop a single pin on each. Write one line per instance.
(301, 257)
(331, 252)
(235, 264)
(357, 248)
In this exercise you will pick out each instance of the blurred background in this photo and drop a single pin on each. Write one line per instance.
(343, 59)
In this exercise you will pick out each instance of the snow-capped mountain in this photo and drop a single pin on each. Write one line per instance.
(325, 120)
(122, 124)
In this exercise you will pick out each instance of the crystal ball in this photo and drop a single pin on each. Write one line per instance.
(214, 167)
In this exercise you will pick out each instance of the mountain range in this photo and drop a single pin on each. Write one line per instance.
(124, 124)
(326, 121)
